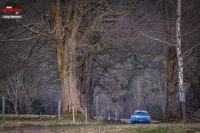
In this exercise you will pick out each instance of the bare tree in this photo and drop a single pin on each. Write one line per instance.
(11, 89)
(74, 21)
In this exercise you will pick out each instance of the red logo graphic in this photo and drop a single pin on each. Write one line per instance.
(9, 9)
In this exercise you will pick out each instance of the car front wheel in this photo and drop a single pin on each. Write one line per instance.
(132, 122)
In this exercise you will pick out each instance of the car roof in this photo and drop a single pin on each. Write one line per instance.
(140, 111)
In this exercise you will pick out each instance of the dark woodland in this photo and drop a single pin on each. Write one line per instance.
(132, 54)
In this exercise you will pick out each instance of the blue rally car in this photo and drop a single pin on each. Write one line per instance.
(140, 116)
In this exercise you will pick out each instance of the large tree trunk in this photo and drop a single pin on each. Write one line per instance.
(89, 90)
(171, 79)
(86, 84)
(68, 64)
(67, 59)
(170, 53)
(70, 92)
(180, 62)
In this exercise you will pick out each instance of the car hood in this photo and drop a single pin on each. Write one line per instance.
(140, 117)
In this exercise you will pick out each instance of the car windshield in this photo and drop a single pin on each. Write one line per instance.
(141, 113)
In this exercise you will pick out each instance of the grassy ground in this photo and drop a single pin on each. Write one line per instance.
(66, 126)
(154, 128)
(126, 128)
(25, 121)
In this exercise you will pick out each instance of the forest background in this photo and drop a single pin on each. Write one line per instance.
(124, 52)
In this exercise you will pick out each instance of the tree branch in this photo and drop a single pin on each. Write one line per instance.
(39, 33)
(190, 49)
(19, 40)
(90, 28)
(156, 39)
